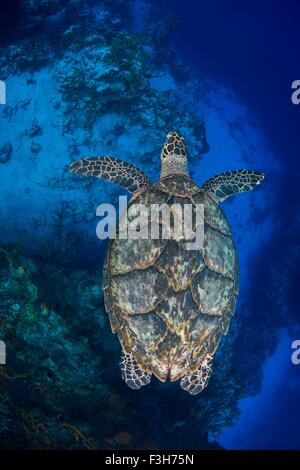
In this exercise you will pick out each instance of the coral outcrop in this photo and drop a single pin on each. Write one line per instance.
(61, 387)
(6, 152)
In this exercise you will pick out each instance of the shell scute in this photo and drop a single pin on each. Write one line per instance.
(138, 291)
(177, 310)
(201, 328)
(219, 252)
(149, 328)
(212, 292)
(178, 185)
(164, 355)
(179, 265)
(129, 255)
(213, 214)
(132, 345)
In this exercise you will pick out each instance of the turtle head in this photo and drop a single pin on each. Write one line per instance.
(173, 155)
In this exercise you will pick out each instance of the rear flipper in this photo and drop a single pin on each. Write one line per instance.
(131, 372)
(195, 382)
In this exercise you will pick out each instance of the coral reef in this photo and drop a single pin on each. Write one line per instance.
(5, 152)
(101, 74)
(84, 82)
(62, 388)
(113, 74)
(92, 78)
(28, 55)
(35, 148)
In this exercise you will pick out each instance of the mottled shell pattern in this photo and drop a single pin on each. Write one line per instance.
(170, 306)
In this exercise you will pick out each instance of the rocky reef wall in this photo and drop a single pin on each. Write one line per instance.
(99, 78)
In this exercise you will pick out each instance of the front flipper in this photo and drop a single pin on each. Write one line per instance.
(195, 382)
(131, 372)
(226, 184)
(108, 168)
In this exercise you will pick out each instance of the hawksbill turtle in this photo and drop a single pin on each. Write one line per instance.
(171, 306)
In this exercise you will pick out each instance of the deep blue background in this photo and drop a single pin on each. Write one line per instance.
(252, 47)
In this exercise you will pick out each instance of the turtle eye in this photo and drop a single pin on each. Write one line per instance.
(165, 152)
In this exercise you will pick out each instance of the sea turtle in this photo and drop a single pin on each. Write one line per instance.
(170, 306)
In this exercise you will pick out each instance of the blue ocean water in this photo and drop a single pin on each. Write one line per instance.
(112, 77)
(250, 47)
